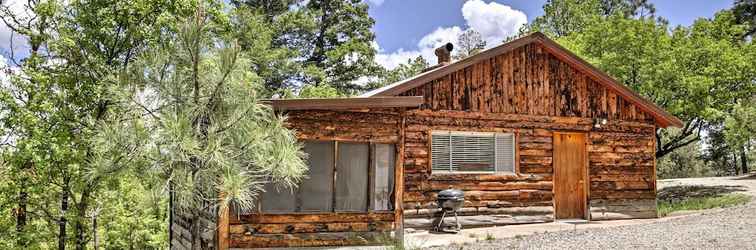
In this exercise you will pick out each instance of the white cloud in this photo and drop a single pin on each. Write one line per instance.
(493, 21)
(391, 60)
(376, 2)
(440, 37)
(425, 48)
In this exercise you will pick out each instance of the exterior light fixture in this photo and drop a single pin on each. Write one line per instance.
(598, 122)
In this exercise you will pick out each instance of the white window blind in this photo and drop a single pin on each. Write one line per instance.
(472, 152)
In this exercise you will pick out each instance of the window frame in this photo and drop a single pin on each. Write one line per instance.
(515, 152)
(370, 175)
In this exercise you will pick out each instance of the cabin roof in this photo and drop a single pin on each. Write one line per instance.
(661, 116)
(346, 103)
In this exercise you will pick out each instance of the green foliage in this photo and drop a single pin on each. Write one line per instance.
(403, 71)
(697, 73)
(568, 17)
(700, 203)
(745, 12)
(565, 17)
(72, 138)
(687, 162)
(214, 143)
(321, 91)
(117, 99)
(740, 125)
(489, 237)
(135, 214)
(317, 42)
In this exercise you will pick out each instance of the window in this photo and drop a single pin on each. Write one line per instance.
(343, 177)
(472, 152)
(351, 177)
(318, 185)
(278, 199)
(383, 186)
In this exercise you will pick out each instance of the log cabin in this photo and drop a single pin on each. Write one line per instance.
(529, 131)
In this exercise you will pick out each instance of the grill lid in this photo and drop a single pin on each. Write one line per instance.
(451, 194)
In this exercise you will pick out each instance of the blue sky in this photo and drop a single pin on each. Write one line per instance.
(408, 28)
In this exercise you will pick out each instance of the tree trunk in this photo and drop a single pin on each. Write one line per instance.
(196, 230)
(81, 213)
(21, 216)
(735, 163)
(94, 232)
(23, 200)
(170, 215)
(62, 222)
(743, 160)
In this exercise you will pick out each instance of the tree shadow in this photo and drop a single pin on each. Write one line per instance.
(677, 193)
(750, 176)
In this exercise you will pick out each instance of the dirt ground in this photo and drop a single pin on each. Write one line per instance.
(733, 227)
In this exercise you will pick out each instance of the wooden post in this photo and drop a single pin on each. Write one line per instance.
(223, 226)
(653, 174)
(399, 184)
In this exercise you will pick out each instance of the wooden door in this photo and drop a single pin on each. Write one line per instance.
(570, 174)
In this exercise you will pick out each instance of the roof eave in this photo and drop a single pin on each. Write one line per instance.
(346, 103)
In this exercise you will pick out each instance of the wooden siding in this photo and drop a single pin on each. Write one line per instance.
(620, 167)
(327, 228)
(309, 230)
(529, 81)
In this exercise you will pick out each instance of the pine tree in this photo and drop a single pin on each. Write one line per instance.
(215, 142)
(326, 41)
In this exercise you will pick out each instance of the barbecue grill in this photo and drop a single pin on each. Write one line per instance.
(450, 201)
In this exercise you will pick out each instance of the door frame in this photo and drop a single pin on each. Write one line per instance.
(586, 180)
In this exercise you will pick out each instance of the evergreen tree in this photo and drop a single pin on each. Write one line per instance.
(214, 142)
(61, 105)
(327, 42)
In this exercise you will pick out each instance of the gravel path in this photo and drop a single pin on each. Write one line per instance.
(728, 228)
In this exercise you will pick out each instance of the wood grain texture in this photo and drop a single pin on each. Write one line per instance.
(569, 175)
(526, 80)
(528, 90)
(329, 228)
(618, 149)
(308, 230)
(506, 65)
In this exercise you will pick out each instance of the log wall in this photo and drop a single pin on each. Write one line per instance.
(528, 92)
(531, 93)
(324, 229)
(621, 168)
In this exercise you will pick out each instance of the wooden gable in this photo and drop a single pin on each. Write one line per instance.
(528, 80)
(531, 76)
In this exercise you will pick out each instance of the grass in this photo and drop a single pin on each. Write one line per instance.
(490, 237)
(699, 203)
(393, 244)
